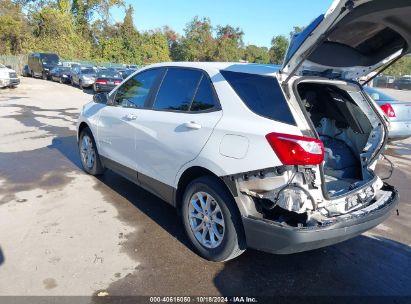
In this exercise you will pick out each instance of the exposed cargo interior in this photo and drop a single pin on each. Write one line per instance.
(349, 129)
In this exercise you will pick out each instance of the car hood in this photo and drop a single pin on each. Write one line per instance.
(351, 40)
(7, 70)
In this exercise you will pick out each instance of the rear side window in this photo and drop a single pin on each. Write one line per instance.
(204, 99)
(261, 94)
(134, 93)
(177, 89)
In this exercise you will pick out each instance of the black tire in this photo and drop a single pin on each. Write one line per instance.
(61, 80)
(80, 85)
(44, 76)
(97, 168)
(233, 242)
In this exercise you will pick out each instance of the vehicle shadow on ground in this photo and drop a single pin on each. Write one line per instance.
(67, 146)
(363, 266)
(366, 265)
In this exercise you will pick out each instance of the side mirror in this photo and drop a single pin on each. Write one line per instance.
(100, 98)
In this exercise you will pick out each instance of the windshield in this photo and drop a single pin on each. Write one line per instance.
(49, 58)
(377, 95)
(108, 74)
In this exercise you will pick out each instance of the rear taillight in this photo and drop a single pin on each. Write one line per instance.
(117, 82)
(387, 108)
(296, 150)
(101, 81)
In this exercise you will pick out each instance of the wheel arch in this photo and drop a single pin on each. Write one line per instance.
(81, 127)
(188, 176)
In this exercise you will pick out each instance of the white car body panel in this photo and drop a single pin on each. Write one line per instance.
(165, 143)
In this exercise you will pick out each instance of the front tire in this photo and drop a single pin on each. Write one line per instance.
(212, 220)
(89, 156)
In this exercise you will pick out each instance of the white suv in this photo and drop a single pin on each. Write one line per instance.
(8, 77)
(280, 159)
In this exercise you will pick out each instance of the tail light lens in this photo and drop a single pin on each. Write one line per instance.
(296, 150)
(101, 81)
(387, 108)
(117, 82)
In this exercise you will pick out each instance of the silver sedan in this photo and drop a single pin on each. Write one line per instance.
(398, 113)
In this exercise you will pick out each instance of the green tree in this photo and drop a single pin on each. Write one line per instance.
(54, 31)
(84, 11)
(400, 68)
(198, 43)
(255, 54)
(229, 44)
(15, 33)
(279, 45)
(154, 48)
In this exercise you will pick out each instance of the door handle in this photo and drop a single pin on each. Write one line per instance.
(131, 117)
(192, 125)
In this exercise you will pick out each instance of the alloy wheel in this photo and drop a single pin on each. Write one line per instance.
(88, 154)
(206, 220)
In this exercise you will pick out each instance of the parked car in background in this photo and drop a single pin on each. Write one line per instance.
(403, 83)
(384, 82)
(8, 77)
(40, 64)
(107, 80)
(60, 74)
(398, 113)
(69, 64)
(83, 77)
(26, 71)
(127, 73)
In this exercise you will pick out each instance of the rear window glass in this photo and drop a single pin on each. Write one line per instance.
(204, 99)
(108, 74)
(177, 89)
(88, 71)
(261, 94)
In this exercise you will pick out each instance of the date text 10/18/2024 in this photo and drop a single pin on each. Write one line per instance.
(203, 300)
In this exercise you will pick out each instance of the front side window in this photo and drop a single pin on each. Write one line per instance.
(177, 89)
(261, 94)
(135, 92)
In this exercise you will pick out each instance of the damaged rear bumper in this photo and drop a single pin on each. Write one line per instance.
(275, 238)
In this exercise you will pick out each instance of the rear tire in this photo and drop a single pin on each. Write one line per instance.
(89, 156)
(216, 231)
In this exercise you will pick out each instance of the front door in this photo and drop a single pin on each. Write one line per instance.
(118, 125)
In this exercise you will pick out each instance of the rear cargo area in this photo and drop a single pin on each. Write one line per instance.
(350, 130)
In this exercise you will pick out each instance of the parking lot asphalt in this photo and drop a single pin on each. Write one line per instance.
(63, 232)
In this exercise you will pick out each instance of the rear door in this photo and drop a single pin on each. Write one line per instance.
(183, 116)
